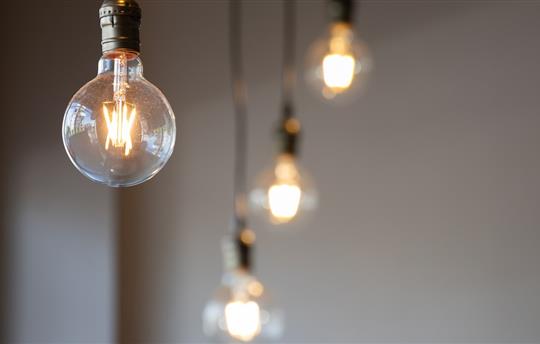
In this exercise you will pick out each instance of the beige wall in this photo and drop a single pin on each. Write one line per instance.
(428, 229)
(57, 228)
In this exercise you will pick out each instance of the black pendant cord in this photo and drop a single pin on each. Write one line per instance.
(288, 130)
(240, 116)
(238, 255)
(288, 77)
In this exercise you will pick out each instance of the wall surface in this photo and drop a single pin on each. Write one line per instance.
(428, 227)
(56, 228)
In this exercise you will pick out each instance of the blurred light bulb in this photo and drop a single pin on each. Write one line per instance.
(338, 66)
(337, 61)
(283, 192)
(119, 129)
(240, 310)
(243, 320)
(284, 200)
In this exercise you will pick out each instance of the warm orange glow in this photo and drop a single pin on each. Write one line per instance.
(338, 71)
(247, 236)
(243, 320)
(255, 288)
(339, 64)
(285, 194)
(119, 126)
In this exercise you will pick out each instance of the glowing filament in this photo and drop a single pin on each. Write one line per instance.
(243, 320)
(285, 194)
(119, 127)
(284, 201)
(338, 71)
(339, 64)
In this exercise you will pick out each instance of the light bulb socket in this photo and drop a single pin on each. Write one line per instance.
(288, 132)
(341, 11)
(237, 250)
(120, 21)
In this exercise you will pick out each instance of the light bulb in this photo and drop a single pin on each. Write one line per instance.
(243, 319)
(119, 129)
(284, 200)
(338, 63)
(284, 192)
(240, 310)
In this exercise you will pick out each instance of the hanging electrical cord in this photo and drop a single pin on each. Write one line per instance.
(288, 74)
(243, 238)
(240, 113)
(289, 128)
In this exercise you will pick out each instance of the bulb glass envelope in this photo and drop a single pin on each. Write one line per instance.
(240, 310)
(119, 129)
(338, 63)
(283, 193)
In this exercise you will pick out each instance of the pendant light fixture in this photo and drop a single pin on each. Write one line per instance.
(119, 129)
(284, 192)
(339, 62)
(240, 309)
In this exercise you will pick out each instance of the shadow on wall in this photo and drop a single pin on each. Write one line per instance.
(55, 226)
(5, 163)
(4, 247)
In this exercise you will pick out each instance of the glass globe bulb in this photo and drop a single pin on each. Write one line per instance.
(338, 63)
(240, 311)
(119, 129)
(284, 192)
